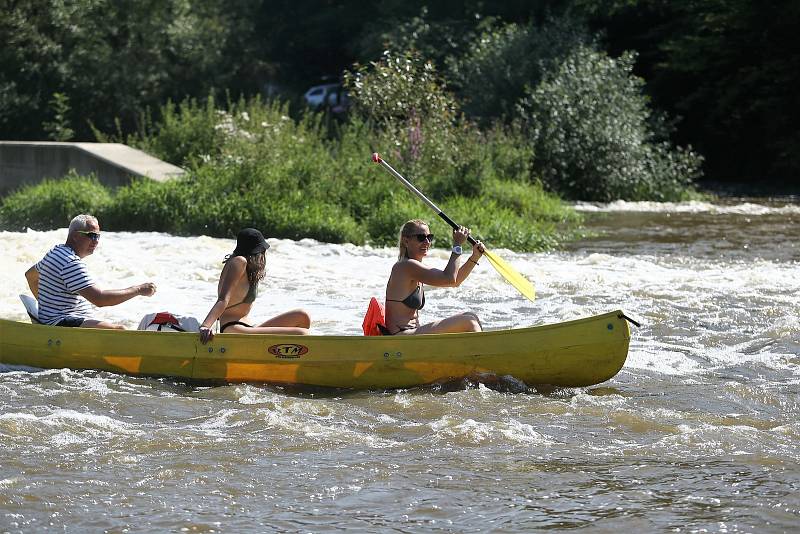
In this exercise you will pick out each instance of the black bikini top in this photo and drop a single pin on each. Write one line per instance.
(415, 301)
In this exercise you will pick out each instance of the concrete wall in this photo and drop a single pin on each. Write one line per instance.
(114, 164)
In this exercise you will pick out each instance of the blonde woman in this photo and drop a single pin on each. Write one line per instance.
(405, 294)
(237, 290)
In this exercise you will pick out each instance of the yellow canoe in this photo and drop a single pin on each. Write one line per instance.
(574, 353)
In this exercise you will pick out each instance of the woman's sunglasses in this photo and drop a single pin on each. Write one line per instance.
(423, 237)
(94, 236)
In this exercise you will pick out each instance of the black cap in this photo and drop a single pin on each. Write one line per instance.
(249, 241)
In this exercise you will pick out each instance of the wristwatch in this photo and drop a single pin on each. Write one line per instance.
(457, 250)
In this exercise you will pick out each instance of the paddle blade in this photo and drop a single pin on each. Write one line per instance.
(522, 284)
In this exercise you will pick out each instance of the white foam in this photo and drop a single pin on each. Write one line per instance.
(480, 432)
(72, 426)
(695, 311)
(694, 206)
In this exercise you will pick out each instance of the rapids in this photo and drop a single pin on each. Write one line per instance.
(698, 432)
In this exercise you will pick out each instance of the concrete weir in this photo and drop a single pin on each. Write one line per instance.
(114, 164)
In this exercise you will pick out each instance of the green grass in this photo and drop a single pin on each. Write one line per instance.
(53, 203)
(292, 179)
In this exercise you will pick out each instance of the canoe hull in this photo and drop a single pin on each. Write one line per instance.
(571, 354)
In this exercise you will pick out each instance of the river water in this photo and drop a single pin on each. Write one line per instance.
(698, 432)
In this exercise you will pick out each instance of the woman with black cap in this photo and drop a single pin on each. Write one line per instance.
(237, 289)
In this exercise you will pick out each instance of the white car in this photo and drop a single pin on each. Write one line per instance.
(317, 96)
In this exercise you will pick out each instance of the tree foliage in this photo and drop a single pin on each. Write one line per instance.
(589, 121)
(111, 59)
(287, 178)
(727, 69)
(505, 59)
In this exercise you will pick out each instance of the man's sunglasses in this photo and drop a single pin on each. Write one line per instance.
(94, 236)
(423, 237)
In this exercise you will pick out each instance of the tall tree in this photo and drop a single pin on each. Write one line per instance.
(113, 58)
(730, 68)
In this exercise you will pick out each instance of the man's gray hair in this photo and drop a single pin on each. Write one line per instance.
(81, 222)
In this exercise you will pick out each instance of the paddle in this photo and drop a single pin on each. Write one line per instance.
(506, 271)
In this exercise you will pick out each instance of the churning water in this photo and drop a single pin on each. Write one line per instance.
(698, 432)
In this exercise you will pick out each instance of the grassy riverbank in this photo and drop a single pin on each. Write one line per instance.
(252, 165)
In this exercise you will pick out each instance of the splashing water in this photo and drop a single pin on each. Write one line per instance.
(699, 430)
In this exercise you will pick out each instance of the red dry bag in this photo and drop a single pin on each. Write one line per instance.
(374, 319)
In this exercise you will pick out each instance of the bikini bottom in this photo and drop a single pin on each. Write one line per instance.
(386, 332)
(231, 323)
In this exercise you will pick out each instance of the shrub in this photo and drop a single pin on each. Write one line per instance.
(289, 179)
(494, 71)
(531, 202)
(196, 206)
(53, 203)
(589, 125)
(183, 133)
(400, 87)
(300, 218)
(59, 129)
(498, 225)
(147, 205)
(403, 99)
(385, 220)
(511, 214)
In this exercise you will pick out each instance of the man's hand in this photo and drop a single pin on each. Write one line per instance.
(146, 290)
(112, 297)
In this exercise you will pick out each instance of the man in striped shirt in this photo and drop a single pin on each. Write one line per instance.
(65, 289)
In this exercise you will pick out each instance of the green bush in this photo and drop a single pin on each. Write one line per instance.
(531, 202)
(497, 225)
(196, 207)
(288, 178)
(589, 125)
(385, 220)
(400, 87)
(508, 152)
(53, 203)
(584, 128)
(266, 170)
(450, 159)
(59, 129)
(183, 133)
(494, 71)
(150, 206)
(404, 102)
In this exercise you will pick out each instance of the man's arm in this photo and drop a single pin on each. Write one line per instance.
(32, 275)
(111, 297)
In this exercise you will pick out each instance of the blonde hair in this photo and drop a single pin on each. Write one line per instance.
(404, 232)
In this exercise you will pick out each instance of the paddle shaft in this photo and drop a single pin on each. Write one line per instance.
(408, 185)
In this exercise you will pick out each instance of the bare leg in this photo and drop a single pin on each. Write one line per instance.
(463, 322)
(298, 318)
(293, 323)
(94, 323)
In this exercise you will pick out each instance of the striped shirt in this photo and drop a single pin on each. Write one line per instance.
(62, 274)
